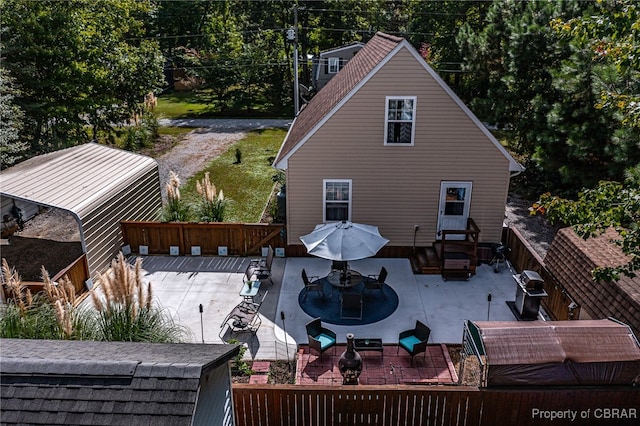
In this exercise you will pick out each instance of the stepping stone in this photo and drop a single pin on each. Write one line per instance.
(259, 379)
(260, 367)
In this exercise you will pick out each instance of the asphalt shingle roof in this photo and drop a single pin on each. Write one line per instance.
(338, 87)
(571, 260)
(82, 382)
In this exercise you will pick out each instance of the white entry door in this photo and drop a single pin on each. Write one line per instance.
(453, 212)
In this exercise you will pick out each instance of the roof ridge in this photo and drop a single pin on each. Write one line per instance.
(390, 37)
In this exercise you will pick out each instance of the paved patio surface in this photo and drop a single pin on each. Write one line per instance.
(181, 284)
(391, 367)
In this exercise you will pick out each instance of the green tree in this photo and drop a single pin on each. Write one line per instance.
(11, 147)
(609, 204)
(81, 65)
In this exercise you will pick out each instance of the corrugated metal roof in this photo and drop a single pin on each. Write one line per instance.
(74, 179)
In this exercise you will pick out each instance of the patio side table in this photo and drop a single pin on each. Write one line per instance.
(250, 293)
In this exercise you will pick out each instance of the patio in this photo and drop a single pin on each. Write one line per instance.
(181, 284)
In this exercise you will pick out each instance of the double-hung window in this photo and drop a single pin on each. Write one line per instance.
(400, 120)
(337, 200)
(334, 65)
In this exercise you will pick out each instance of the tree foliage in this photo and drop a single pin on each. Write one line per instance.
(609, 204)
(81, 66)
(11, 147)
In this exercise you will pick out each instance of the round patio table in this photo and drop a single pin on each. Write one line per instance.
(353, 279)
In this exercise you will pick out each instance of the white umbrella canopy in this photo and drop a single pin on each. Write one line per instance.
(344, 241)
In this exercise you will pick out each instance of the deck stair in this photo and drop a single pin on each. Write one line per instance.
(425, 261)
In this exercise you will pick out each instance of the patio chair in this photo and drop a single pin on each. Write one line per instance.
(311, 284)
(245, 316)
(320, 338)
(261, 270)
(376, 282)
(351, 306)
(263, 262)
(339, 265)
(414, 341)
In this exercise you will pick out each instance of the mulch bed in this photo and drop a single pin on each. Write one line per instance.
(28, 255)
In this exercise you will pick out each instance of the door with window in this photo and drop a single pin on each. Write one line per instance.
(453, 212)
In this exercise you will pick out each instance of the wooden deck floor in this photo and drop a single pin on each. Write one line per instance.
(387, 368)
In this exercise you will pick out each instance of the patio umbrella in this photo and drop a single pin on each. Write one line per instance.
(344, 241)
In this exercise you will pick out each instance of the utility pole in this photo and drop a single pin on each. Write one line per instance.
(292, 36)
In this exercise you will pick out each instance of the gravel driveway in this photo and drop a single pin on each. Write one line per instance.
(209, 139)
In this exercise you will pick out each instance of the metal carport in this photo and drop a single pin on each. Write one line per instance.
(100, 186)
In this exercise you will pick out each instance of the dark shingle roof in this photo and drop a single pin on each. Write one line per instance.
(338, 87)
(571, 260)
(83, 382)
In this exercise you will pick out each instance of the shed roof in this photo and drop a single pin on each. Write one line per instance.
(557, 353)
(83, 382)
(375, 54)
(541, 342)
(76, 179)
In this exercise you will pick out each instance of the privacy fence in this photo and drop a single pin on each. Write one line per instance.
(559, 304)
(270, 405)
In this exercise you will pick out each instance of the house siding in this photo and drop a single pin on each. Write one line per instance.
(397, 187)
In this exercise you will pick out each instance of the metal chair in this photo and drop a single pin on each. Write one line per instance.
(414, 341)
(311, 284)
(320, 338)
(351, 306)
(261, 268)
(376, 282)
(245, 316)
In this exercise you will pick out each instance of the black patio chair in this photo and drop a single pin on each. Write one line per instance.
(376, 282)
(351, 306)
(311, 284)
(414, 341)
(260, 269)
(320, 338)
(339, 265)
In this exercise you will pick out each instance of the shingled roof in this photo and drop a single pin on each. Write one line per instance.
(81, 382)
(338, 88)
(571, 260)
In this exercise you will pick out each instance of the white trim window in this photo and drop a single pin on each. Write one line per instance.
(336, 200)
(334, 65)
(400, 120)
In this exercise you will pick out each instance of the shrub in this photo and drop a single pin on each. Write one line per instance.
(175, 210)
(211, 206)
(125, 311)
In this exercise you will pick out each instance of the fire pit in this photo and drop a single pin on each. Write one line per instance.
(350, 363)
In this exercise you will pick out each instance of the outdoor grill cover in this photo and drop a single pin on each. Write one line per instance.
(544, 353)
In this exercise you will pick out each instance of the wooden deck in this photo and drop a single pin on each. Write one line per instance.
(391, 367)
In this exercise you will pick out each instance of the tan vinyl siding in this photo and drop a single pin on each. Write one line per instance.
(397, 187)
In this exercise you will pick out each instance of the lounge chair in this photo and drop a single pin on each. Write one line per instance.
(260, 269)
(414, 341)
(320, 338)
(245, 316)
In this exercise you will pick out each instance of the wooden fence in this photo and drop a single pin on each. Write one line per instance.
(279, 405)
(240, 239)
(559, 304)
(77, 272)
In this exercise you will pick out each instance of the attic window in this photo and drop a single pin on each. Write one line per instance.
(334, 65)
(400, 119)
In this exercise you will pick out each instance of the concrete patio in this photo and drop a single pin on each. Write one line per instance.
(181, 284)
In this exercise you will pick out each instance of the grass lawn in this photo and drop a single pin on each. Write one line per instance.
(181, 105)
(246, 186)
